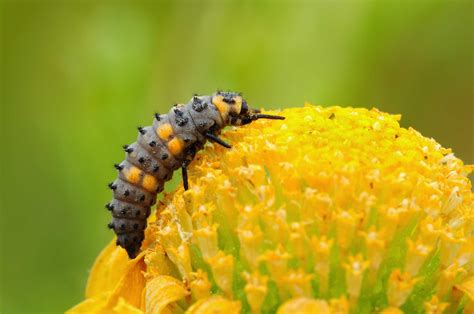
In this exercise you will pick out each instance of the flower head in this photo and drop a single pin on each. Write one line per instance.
(331, 210)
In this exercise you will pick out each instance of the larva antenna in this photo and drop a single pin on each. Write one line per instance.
(268, 116)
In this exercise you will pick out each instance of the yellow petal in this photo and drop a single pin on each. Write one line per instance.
(222, 266)
(131, 284)
(339, 305)
(434, 306)
(200, 285)
(127, 282)
(400, 285)
(162, 291)
(92, 305)
(256, 290)
(107, 270)
(215, 305)
(392, 310)
(125, 307)
(303, 306)
(467, 287)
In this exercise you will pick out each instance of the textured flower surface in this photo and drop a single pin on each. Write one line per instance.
(333, 210)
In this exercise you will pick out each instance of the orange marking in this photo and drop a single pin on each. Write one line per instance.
(133, 175)
(150, 183)
(222, 106)
(175, 146)
(164, 131)
(238, 104)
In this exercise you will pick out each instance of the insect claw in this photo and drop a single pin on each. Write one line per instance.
(185, 177)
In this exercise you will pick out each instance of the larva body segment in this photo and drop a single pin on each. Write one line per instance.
(171, 142)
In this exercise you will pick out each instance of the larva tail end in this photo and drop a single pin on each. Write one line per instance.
(130, 243)
(132, 250)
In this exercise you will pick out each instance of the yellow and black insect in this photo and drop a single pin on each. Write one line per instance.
(170, 143)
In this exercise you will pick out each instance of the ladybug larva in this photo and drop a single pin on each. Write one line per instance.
(170, 143)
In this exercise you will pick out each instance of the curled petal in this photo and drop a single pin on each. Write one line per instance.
(124, 307)
(215, 305)
(304, 306)
(161, 292)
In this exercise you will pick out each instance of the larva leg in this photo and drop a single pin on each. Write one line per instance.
(217, 140)
(185, 176)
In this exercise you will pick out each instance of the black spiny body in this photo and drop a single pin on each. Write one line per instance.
(170, 143)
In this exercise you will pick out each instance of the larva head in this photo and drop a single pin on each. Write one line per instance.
(235, 110)
(247, 115)
(229, 104)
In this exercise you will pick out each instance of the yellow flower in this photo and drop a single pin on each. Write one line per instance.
(355, 268)
(256, 290)
(399, 287)
(434, 306)
(331, 210)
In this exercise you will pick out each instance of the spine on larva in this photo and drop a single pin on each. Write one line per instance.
(171, 142)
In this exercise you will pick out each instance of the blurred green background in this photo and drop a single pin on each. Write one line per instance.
(77, 78)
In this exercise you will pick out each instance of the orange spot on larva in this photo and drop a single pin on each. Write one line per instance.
(237, 106)
(150, 183)
(164, 131)
(221, 105)
(133, 174)
(175, 146)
